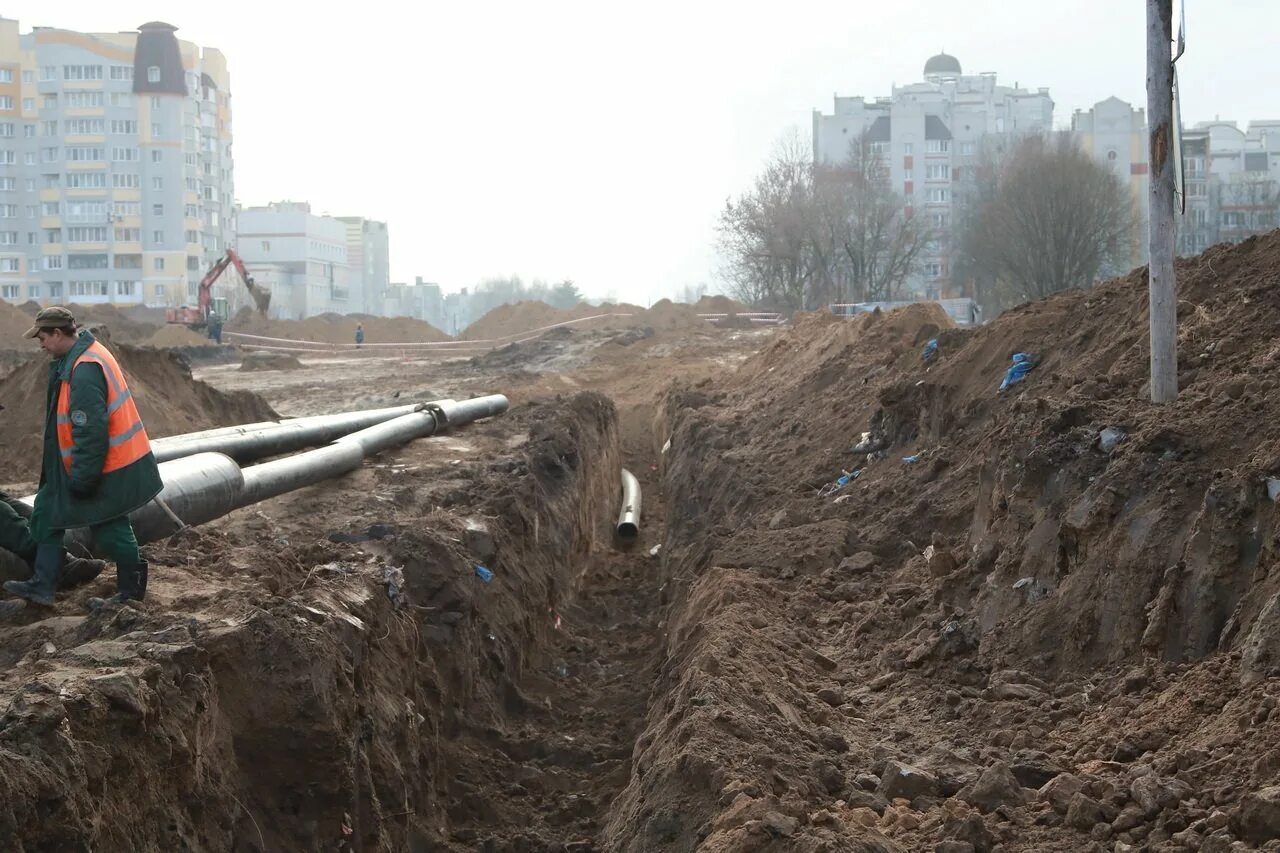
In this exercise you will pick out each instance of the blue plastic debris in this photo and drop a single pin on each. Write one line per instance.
(1022, 364)
(483, 573)
(910, 460)
(845, 479)
(930, 349)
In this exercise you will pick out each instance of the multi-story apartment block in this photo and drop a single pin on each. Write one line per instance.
(369, 256)
(1232, 180)
(300, 257)
(115, 165)
(930, 136)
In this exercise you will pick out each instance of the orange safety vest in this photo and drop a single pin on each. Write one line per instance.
(127, 440)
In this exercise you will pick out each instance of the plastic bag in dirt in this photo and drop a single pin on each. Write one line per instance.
(930, 349)
(1023, 362)
(483, 573)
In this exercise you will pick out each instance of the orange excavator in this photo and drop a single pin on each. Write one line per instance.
(207, 307)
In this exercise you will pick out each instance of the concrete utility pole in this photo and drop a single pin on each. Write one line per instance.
(1163, 296)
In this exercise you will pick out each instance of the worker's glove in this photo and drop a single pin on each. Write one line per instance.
(82, 488)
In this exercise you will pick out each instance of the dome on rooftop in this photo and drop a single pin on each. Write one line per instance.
(942, 65)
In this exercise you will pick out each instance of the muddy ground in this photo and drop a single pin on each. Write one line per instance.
(1039, 619)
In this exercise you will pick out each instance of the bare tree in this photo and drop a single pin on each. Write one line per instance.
(807, 234)
(879, 240)
(1055, 220)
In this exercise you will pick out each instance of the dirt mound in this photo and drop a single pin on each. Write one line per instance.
(270, 361)
(337, 328)
(123, 328)
(14, 323)
(929, 595)
(169, 400)
(718, 304)
(175, 335)
(516, 319)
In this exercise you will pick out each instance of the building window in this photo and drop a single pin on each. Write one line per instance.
(28, 76)
(124, 155)
(193, 237)
(157, 156)
(31, 185)
(84, 99)
(6, 75)
(28, 131)
(157, 264)
(8, 129)
(8, 211)
(125, 182)
(48, 155)
(89, 288)
(159, 290)
(48, 72)
(156, 130)
(53, 262)
(86, 211)
(86, 180)
(157, 210)
(266, 245)
(157, 236)
(8, 184)
(29, 159)
(82, 72)
(83, 234)
(1233, 219)
(85, 154)
(33, 291)
(193, 263)
(8, 158)
(8, 238)
(128, 235)
(157, 183)
(126, 288)
(28, 105)
(153, 74)
(9, 291)
(83, 126)
(121, 99)
(6, 102)
(940, 172)
(50, 102)
(126, 208)
(53, 235)
(122, 72)
(933, 270)
(936, 196)
(128, 262)
(938, 220)
(55, 289)
(191, 211)
(124, 126)
(10, 265)
(937, 146)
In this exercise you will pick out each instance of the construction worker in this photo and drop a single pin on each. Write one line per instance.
(97, 467)
(15, 537)
(359, 335)
(215, 329)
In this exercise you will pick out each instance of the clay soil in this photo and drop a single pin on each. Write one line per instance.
(1043, 619)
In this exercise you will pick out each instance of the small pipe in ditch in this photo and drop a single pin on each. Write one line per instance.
(629, 519)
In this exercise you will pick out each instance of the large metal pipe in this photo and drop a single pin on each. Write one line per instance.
(205, 486)
(629, 519)
(273, 438)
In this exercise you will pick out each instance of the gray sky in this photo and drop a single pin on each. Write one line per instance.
(596, 141)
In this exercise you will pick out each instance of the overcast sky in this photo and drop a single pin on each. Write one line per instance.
(597, 141)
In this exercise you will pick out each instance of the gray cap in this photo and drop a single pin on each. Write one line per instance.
(55, 317)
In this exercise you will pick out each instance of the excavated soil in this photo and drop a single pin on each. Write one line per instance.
(1039, 619)
(174, 335)
(513, 320)
(337, 328)
(169, 400)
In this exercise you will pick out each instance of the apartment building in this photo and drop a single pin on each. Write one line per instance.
(116, 173)
(930, 135)
(301, 257)
(369, 258)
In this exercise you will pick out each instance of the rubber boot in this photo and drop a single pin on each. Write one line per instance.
(131, 585)
(44, 579)
(77, 571)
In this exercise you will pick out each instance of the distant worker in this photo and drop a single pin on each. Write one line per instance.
(98, 466)
(215, 328)
(359, 335)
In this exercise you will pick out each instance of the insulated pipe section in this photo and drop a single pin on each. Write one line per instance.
(629, 519)
(197, 488)
(273, 438)
(345, 454)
